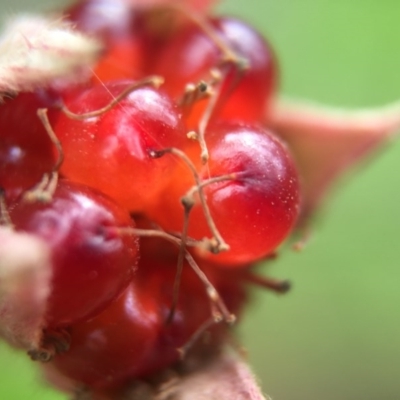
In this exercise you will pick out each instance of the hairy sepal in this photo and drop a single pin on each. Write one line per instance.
(327, 142)
(219, 375)
(38, 52)
(25, 278)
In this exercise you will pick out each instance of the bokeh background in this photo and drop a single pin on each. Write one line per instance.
(337, 334)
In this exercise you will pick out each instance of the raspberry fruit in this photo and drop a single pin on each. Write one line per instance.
(144, 201)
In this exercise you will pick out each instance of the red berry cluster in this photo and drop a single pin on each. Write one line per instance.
(155, 187)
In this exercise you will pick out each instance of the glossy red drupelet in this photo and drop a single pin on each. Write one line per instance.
(26, 151)
(112, 151)
(112, 145)
(255, 210)
(132, 339)
(118, 26)
(190, 55)
(91, 263)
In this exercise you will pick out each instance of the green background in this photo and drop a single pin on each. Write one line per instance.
(337, 334)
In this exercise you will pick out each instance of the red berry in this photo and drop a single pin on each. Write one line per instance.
(90, 264)
(132, 36)
(118, 26)
(190, 55)
(114, 345)
(131, 338)
(112, 151)
(105, 19)
(254, 211)
(26, 151)
(193, 309)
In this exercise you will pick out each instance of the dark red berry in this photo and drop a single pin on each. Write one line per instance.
(132, 339)
(91, 262)
(26, 151)
(114, 345)
(192, 53)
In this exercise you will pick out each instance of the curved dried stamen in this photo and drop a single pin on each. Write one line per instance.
(155, 81)
(275, 285)
(43, 192)
(211, 291)
(5, 219)
(220, 245)
(219, 94)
